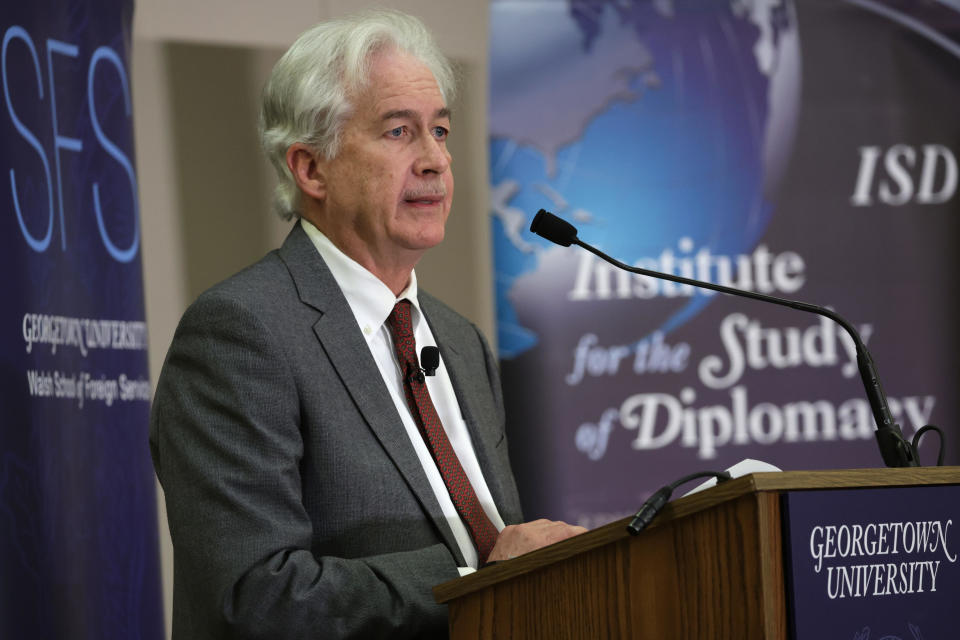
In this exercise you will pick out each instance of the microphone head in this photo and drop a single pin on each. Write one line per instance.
(556, 230)
(430, 360)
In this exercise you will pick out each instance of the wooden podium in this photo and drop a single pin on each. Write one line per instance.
(710, 566)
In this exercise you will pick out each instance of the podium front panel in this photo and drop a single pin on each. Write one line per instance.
(873, 563)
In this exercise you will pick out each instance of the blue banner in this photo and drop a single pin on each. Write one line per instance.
(78, 531)
(806, 150)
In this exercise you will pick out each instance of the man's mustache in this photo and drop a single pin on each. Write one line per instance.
(429, 191)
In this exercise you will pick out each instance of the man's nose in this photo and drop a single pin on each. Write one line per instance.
(432, 157)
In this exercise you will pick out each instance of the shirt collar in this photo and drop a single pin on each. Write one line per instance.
(370, 300)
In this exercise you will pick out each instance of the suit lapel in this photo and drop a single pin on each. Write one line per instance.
(347, 350)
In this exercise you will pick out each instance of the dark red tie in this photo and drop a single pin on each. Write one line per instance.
(425, 415)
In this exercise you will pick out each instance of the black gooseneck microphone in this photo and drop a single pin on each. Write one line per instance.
(894, 449)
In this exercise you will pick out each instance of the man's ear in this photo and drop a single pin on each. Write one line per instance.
(307, 169)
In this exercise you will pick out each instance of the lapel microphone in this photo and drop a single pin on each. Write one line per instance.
(429, 362)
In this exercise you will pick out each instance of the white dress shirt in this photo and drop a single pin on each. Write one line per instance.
(371, 302)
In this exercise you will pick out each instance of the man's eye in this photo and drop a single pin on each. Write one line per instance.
(440, 132)
(396, 132)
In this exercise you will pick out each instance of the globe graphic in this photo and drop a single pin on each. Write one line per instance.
(647, 125)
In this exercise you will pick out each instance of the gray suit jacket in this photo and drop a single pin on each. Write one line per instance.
(296, 503)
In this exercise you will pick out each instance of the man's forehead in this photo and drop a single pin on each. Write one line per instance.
(398, 81)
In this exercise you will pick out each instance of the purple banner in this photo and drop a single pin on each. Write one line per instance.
(806, 150)
(78, 531)
(873, 563)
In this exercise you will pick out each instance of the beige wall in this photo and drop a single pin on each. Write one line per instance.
(198, 66)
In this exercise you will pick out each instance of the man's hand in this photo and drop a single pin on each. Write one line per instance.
(518, 539)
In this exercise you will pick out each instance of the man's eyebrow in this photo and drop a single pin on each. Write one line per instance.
(410, 114)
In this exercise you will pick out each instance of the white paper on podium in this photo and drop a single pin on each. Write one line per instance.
(742, 468)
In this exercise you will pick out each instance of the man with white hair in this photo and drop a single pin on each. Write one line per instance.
(317, 482)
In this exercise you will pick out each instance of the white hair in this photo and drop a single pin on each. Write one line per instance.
(307, 97)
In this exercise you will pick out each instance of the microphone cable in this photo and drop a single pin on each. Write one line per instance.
(659, 499)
